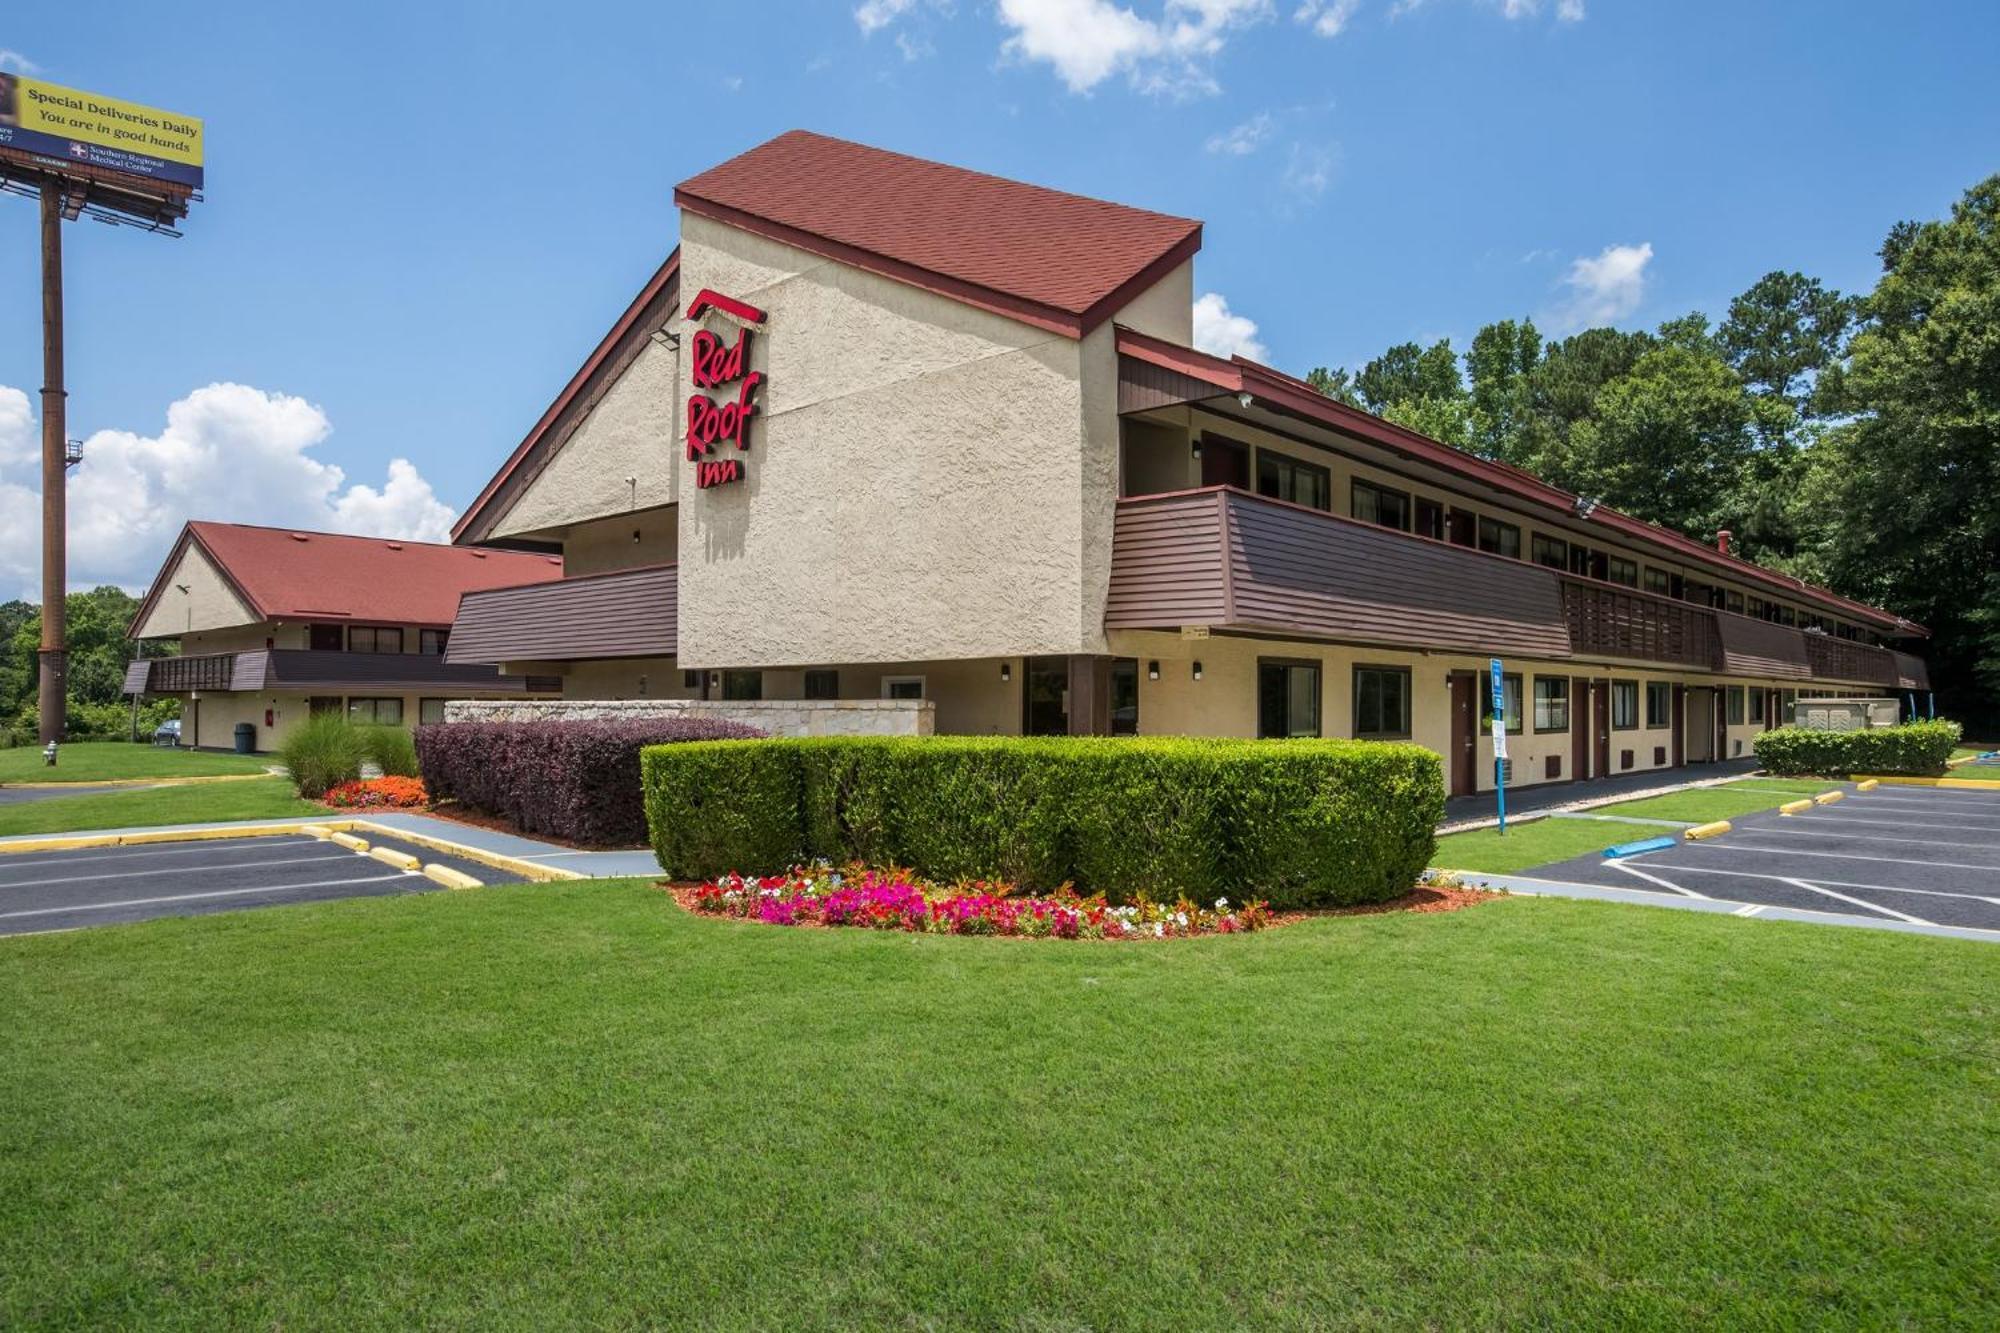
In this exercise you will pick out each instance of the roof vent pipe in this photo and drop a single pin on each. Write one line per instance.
(1722, 541)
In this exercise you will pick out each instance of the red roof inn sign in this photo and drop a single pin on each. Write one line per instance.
(717, 365)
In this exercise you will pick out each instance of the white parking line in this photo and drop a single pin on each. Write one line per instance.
(8, 862)
(1873, 907)
(1843, 883)
(1624, 865)
(195, 897)
(157, 874)
(1737, 845)
(1958, 826)
(1878, 837)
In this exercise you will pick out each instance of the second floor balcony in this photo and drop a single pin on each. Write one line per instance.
(1226, 559)
(308, 670)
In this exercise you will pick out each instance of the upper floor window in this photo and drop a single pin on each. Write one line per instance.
(1736, 601)
(1658, 581)
(1787, 616)
(1379, 504)
(1621, 570)
(1550, 551)
(1695, 591)
(432, 641)
(1284, 478)
(374, 638)
(1500, 538)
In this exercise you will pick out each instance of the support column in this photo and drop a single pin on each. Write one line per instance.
(54, 694)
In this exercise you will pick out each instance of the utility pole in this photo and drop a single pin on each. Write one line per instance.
(54, 695)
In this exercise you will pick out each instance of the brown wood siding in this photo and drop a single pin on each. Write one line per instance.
(1166, 563)
(629, 613)
(1295, 569)
(1843, 659)
(1758, 648)
(1613, 622)
(296, 669)
(1143, 385)
(1911, 673)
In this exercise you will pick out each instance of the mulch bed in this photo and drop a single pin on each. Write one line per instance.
(1428, 898)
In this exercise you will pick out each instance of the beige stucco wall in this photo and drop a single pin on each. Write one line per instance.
(1166, 309)
(606, 544)
(628, 433)
(208, 603)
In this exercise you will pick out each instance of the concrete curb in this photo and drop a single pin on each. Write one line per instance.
(530, 870)
(1958, 784)
(1714, 830)
(389, 856)
(135, 782)
(1796, 807)
(451, 879)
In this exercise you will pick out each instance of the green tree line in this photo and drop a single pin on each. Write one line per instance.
(98, 653)
(1851, 440)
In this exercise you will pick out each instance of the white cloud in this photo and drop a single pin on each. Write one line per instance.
(1326, 17)
(1569, 11)
(874, 15)
(1243, 139)
(227, 452)
(16, 62)
(1219, 332)
(914, 48)
(1605, 289)
(1088, 41)
(1309, 170)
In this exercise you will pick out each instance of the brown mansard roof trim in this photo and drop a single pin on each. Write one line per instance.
(609, 360)
(1061, 262)
(1294, 397)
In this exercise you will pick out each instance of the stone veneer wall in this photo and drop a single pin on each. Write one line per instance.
(779, 717)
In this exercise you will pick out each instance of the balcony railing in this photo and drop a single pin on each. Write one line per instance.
(300, 669)
(1223, 558)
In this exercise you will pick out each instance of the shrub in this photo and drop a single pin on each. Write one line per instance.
(1300, 823)
(391, 749)
(378, 793)
(578, 781)
(1916, 748)
(322, 752)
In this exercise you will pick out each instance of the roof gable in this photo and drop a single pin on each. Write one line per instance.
(1062, 261)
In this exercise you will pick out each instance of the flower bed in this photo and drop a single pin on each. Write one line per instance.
(896, 900)
(377, 794)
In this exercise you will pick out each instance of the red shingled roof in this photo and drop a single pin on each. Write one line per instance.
(1060, 261)
(290, 574)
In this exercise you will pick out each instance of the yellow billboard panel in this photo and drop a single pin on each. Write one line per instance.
(99, 131)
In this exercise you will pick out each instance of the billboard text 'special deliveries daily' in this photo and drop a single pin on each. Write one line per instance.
(96, 131)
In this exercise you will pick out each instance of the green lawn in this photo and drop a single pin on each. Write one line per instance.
(104, 761)
(562, 1105)
(1543, 841)
(259, 798)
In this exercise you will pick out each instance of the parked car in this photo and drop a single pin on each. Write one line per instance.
(168, 732)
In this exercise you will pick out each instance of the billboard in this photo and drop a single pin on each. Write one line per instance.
(103, 132)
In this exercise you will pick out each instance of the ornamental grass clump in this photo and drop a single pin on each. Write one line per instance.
(872, 899)
(322, 752)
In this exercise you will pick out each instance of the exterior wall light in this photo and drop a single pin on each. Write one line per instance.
(1194, 445)
(1197, 671)
(1006, 672)
(1152, 671)
(1245, 399)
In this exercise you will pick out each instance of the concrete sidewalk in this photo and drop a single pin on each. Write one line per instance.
(593, 865)
(1470, 812)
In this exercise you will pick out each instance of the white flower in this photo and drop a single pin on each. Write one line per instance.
(1180, 918)
(1222, 904)
(1159, 929)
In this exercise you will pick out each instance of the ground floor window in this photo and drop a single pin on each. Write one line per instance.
(1659, 703)
(1624, 705)
(1287, 698)
(1125, 696)
(1552, 703)
(1735, 705)
(1757, 706)
(902, 687)
(430, 712)
(743, 686)
(323, 703)
(381, 712)
(1382, 703)
(1510, 702)
(823, 684)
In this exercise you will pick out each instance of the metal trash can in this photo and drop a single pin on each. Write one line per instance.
(246, 738)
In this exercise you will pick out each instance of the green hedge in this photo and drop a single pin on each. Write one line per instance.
(1297, 822)
(1918, 748)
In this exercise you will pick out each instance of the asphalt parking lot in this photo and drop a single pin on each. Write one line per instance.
(1923, 855)
(99, 886)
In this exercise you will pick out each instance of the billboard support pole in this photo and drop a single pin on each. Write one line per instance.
(54, 695)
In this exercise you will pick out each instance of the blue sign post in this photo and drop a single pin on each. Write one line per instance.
(1500, 742)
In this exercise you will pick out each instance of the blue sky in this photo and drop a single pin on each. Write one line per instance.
(420, 217)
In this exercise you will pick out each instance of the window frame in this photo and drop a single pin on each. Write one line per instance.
(1735, 708)
(1358, 485)
(1288, 469)
(375, 633)
(1665, 716)
(891, 683)
(1542, 705)
(1512, 687)
(1628, 690)
(424, 703)
(1499, 528)
(1758, 706)
(1408, 683)
(733, 678)
(1541, 545)
(815, 685)
(1611, 571)
(375, 701)
(1657, 581)
(1288, 665)
(425, 637)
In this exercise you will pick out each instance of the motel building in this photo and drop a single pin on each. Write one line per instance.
(884, 429)
(275, 624)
